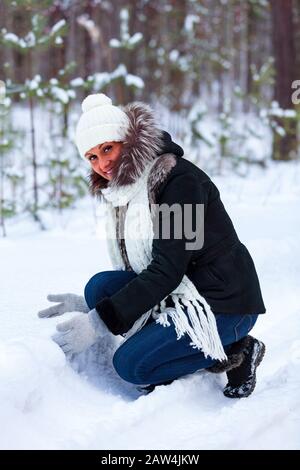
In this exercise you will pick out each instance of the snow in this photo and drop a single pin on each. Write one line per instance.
(189, 22)
(60, 94)
(120, 71)
(14, 39)
(174, 55)
(134, 80)
(114, 42)
(6, 102)
(59, 25)
(76, 82)
(34, 83)
(100, 80)
(58, 40)
(48, 403)
(93, 30)
(30, 39)
(276, 110)
(124, 15)
(137, 37)
(103, 78)
(126, 40)
(11, 37)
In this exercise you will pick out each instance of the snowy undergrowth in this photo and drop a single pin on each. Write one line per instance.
(48, 403)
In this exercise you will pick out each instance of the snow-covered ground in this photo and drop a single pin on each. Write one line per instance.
(48, 403)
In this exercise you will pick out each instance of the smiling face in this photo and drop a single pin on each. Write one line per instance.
(103, 157)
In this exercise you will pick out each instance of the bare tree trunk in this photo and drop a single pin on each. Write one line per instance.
(220, 71)
(34, 162)
(7, 52)
(284, 147)
(250, 28)
(33, 149)
(297, 33)
(2, 218)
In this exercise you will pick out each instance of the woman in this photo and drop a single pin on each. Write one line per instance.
(184, 291)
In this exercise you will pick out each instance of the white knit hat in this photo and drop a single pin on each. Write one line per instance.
(100, 122)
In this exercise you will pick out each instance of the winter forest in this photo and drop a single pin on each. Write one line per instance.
(223, 77)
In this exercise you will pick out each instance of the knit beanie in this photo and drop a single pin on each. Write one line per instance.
(100, 122)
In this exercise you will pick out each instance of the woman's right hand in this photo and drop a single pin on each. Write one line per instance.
(68, 303)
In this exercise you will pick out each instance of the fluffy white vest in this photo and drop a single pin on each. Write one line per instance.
(138, 235)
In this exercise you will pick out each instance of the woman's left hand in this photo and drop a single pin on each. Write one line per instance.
(79, 333)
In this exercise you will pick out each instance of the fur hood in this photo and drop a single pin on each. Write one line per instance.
(143, 142)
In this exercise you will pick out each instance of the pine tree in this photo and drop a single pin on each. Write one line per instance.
(126, 45)
(35, 40)
(8, 136)
(65, 182)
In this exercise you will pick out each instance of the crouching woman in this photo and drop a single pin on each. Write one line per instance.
(181, 304)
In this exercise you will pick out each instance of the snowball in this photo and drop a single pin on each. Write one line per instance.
(25, 368)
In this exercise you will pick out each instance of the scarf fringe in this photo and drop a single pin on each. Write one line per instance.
(138, 325)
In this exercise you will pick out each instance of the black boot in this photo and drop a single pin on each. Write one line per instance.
(242, 379)
(235, 357)
(149, 388)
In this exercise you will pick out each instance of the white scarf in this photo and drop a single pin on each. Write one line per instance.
(138, 234)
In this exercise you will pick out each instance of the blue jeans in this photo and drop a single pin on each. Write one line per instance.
(153, 355)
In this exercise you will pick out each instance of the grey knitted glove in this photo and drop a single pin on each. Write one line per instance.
(79, 333)
(69, 303)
